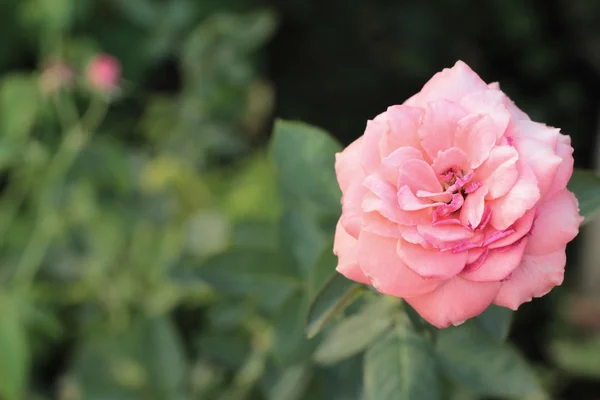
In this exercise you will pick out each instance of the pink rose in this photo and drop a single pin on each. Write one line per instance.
(455, 200)
(104, 72)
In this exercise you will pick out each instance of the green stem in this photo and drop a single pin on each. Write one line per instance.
(78, 134)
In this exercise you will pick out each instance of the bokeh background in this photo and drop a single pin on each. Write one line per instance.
(129, 218)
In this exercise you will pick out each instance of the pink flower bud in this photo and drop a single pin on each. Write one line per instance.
(104, 72)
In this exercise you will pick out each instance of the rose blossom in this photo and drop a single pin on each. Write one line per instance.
(104, 72)
(456, 200)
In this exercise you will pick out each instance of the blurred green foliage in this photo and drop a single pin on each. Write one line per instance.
(151, 247)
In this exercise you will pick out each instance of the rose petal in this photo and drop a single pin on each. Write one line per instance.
(352, 208)
(499, 172)
(347, 165)
(535, 277)
(541, 158)
(376, 223)
(378, 259)
(515, 112)
(439, 125)
(370, 156)
(455, 301)
(521, 198)
(403, 124)
(393, 163)
(418, 175)
(444, 236)
(557, 224)
(565, 170)
(476, 136)
(451, 84)
(498, 264)
(491, 104)
(515, 232)
(431, 263)
(471, 212)
(451, 158)
(345, 247)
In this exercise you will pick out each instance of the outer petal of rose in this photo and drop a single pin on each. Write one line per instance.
(476, 136)
(499, 172)
(345, 247)
(438, 126)
(557, 224)
(489, 103)
(565, 170)
(347, 165)
(352, 208)
(431, 263)
(403, 122)
(370, 156)
(472, 209)
(378, 259)
(521, 228)
(376, 223)
(453, 157)
(418, 175)
(392, 164)
(515, 112)
(522, 197)
(498, 264)
(455, 301)
(534, 130)
(535, 277)
(451, 83)
(541, 158)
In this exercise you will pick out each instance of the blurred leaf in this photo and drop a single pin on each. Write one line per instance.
(353, 334)
(585, 185)
(324, 266)
(578, 357)
(263, 274)
(303, 238)
(291, 345)
(305, 157)
(401, 366)
(148, 357)
(228, 348)
(337, 294)
(19, 105)
(14, 359)
(474, 359)
(496, 321)
(255, 234)
(292, 383)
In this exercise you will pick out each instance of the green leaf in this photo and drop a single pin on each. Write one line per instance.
(577, 357)
(472, 358)
(337, 294)
(263, 274)
(305, 157)
(496, 321)
(292, 383)
(322, 270)
(353, 334)
(291, 345)
(146, 358)
(14, 362)
(401, 366)
(586, 187)
(302, 238)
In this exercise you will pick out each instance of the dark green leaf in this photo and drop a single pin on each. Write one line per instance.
(302, 238)
(321, 272)
(291, 345)
(305, 157)
(496, 321)
(586, 186)
(338, 293)
(353, 334)
(401, 366)
(14, 359)
(474, 359)
(263, 274)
